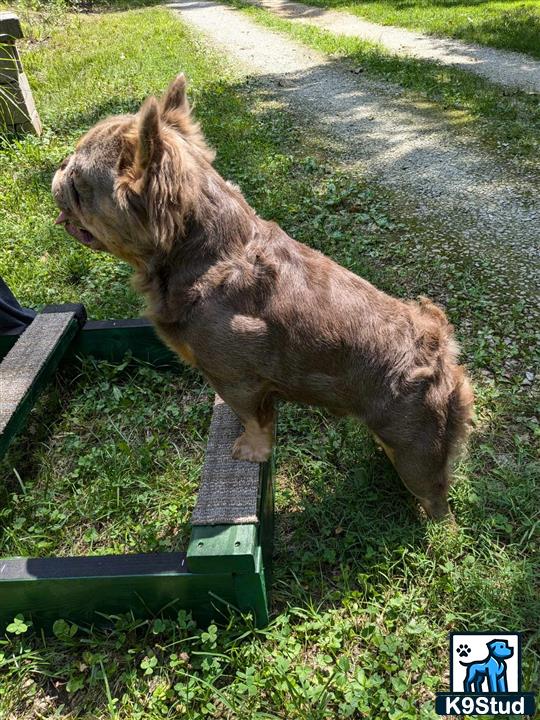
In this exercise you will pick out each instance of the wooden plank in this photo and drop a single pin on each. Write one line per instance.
(222, 570)
(28, 366)
(112, 339)
(231, 548)
(233, 520)
(251, 591)
(87, 589)
(266, 518)
(10, 25)
(10, 64)
(50, 568)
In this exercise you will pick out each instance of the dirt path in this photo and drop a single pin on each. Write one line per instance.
(464, 200)
(499, 66)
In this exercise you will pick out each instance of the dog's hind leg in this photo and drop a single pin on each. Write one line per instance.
(474, 678)
(467, 683)
(478, 685)
(425, 479)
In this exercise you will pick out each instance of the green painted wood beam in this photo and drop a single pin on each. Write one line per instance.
(226, 567)
(251, 591)
(232, 548)
(266, 517)
(85, 589)
(111, 340)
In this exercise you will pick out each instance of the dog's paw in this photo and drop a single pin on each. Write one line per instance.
(245, 449)
(463, 650)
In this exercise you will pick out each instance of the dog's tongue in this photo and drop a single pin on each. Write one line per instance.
(78, 233)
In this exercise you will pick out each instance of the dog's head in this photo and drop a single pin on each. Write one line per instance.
(499, 649)
(131, 183)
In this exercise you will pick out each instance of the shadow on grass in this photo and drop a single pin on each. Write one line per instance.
(437, 83)
(348, 531)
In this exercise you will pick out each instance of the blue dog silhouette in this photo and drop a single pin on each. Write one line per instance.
(492, 669)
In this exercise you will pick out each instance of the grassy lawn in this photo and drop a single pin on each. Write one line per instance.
(510, 25)
(365, 591)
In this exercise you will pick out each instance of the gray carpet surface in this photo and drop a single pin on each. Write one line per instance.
(26, 358)
(229, 490)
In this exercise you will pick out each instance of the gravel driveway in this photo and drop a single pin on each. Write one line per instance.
(503, 67)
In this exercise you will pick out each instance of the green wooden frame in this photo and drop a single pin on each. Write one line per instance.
(225, 567)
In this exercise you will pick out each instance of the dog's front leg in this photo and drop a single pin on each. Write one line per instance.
(255, 443)
(491, 676)
(255, 408)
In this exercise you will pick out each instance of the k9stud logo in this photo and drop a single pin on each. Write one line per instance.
(485, 676)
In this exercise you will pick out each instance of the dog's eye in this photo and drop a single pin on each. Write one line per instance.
(76, 193)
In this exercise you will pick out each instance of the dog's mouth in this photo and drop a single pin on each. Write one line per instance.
(80, 233)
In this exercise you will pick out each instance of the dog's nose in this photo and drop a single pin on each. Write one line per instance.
(58, 192)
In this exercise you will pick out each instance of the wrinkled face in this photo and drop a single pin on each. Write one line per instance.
(129, 186)
(85, 187)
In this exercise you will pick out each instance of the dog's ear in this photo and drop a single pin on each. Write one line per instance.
(176, 112)
(150, 145)
(175, 99)
(158, 174)
(154, 177)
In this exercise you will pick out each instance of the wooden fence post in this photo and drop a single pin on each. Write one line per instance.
(17, 109)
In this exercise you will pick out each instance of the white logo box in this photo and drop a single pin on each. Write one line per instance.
(479, 651)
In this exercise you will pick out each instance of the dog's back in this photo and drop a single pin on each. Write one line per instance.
(316, 333)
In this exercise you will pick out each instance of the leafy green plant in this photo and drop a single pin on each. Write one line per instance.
(18, 626)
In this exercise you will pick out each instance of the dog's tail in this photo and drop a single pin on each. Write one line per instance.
(451, 393)
(460, 411)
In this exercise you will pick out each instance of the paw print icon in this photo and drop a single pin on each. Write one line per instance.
(463, 650)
